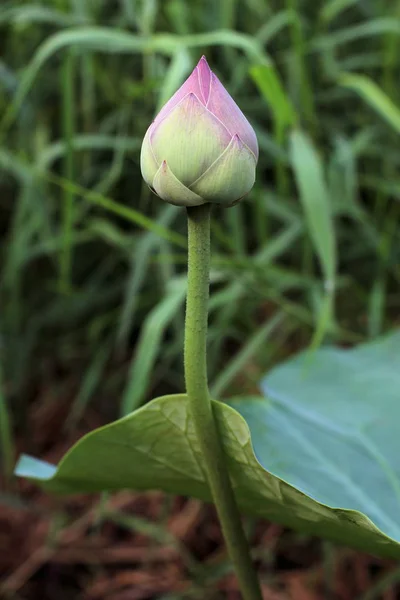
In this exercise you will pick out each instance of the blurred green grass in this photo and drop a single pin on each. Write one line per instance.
(92, 265)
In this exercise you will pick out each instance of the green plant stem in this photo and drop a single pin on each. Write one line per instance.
(200, 400)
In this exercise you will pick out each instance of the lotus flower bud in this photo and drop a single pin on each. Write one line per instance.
(200, 148)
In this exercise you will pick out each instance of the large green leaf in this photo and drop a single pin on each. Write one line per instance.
(339, 413)
(328, 435)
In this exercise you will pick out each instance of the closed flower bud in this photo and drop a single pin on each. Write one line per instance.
(200, 148)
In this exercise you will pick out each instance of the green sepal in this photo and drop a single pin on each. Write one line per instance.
(170, 189)
(230, 177)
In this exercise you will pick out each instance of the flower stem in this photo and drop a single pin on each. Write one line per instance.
(200, 400)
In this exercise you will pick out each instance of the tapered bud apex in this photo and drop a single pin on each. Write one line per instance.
(200, 148)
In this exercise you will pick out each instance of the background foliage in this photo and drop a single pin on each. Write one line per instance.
(85, 271)
(92, 265)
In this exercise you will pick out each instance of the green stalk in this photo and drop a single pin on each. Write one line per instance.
(200, 400)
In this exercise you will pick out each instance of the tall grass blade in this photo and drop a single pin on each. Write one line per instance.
(333, 9)
(141, 255)
(101, 39)
(149, 346)
(68, 83)
(250, 349)
(126, 212)
(316, 202)
(374, 96)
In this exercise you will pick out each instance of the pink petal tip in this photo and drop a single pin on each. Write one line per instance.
(204, 74)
